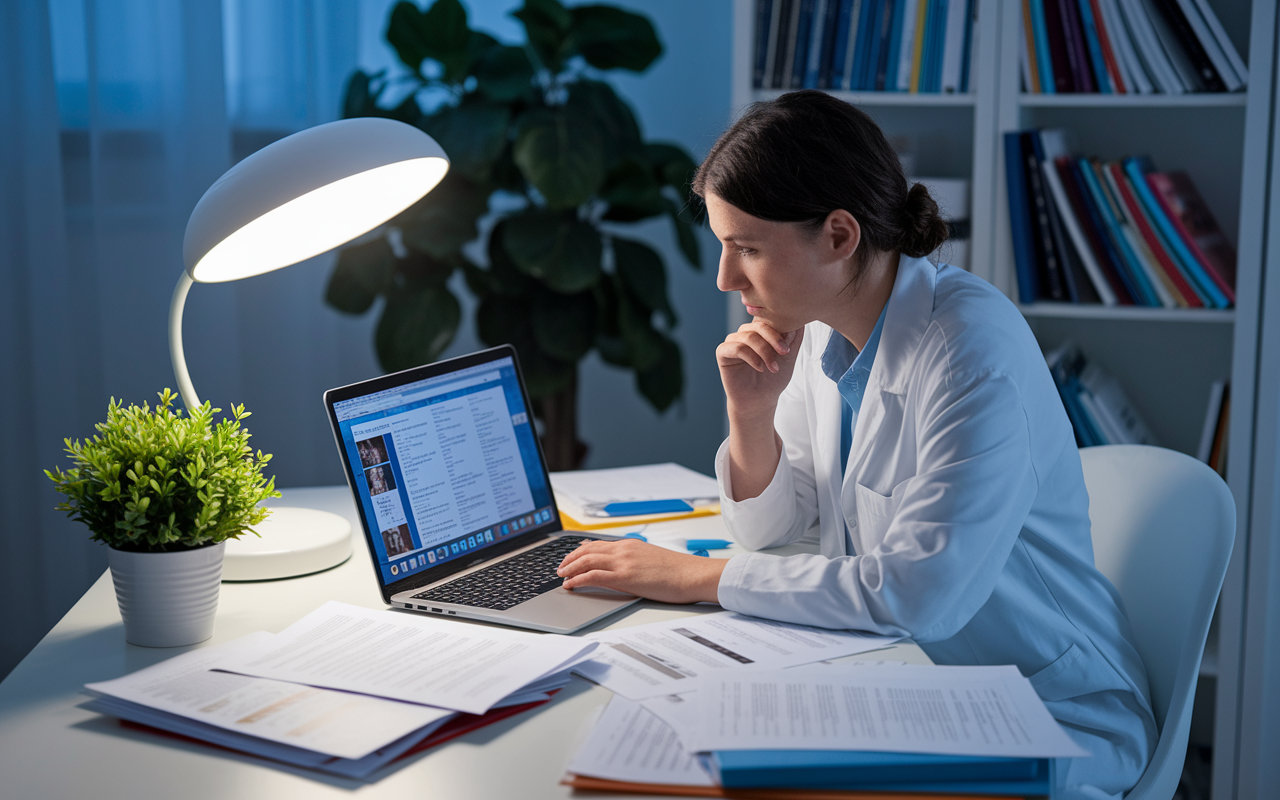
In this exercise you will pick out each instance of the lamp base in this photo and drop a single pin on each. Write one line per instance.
(294, 541)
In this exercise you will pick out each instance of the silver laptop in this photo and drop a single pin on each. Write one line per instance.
(454, 496)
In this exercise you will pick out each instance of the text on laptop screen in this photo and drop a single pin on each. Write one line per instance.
(450, 465)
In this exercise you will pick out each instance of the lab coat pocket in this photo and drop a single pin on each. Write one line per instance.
(1061, 679)
(875, 512)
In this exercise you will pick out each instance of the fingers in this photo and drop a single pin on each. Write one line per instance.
(780, 342)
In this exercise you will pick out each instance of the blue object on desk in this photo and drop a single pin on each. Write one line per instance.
(860, 769)
(676, 506)
(634, 536)
(707, 544)
(702, 553)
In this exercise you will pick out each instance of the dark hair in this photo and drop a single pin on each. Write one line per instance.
(805, 154)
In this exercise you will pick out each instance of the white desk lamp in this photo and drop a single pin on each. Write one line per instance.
(293, 199)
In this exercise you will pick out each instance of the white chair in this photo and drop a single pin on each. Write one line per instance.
(1163, 527)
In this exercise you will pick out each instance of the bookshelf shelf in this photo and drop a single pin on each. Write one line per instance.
(1134, 313)
(924, 100)
(1211, 100)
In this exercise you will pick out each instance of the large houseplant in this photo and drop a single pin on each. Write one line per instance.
(164, 491)
(546, 151)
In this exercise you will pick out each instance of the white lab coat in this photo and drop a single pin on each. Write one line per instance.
(966, 509)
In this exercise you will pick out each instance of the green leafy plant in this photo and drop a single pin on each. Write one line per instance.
(547, 150)
(153, 480)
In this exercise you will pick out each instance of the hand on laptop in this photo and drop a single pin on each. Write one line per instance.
(644, 570)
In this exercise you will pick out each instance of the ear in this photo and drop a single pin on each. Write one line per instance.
(843, 233)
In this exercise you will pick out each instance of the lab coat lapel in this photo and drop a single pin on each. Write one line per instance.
(826, 409)
(909, 314)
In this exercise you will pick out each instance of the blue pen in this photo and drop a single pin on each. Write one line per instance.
(634, 536)
(707, 544)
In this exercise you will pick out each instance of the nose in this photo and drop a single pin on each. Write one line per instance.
(729, 277)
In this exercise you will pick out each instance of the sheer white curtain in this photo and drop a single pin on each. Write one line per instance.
(115, 116)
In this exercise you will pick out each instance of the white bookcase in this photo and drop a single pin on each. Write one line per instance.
(1165, 358)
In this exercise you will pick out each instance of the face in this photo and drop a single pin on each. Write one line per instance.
(787, 275)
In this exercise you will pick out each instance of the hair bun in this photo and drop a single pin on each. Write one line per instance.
(924, 230)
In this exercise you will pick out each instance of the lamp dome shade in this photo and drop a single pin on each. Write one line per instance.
(308, 193)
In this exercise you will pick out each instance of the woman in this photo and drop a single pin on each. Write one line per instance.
(905, 410)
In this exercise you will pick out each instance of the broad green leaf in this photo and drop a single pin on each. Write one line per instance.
(503, 320)
(644, 344)
(503, 274)
(417, 324)
(672, 164)
(562, 153)
(612, 115)
(473, 135)
(363, 271)
(685, 237)
(663, 382)
(546, 25)
(360, 99)
(447, 38)
(632, 193)
(406, 33)
(504, 74)
(558, 249)
(564, 325)
(644, 275)
(445, 219)
(610, 38)
(418, 268)
(545, 375)
(613, 349)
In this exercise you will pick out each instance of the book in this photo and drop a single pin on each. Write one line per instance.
(862, 49)
(1026, 52)
(1077, 51)
(764, 24)
(1054, 146)
(1220, 36)
(1109, 58)
(1190, 45)
(953, 47)
(887, 76)
(1148, 48)
(917, 46)
(1131, 71)
(906, 44)
(1169, 293)
(1093, 47)
(1197, 227)
(1044, 59)
(1143, 225)
(1114, 409)
(787, 43)
(966, 62)
(1152, 289)
(1232, 80)
(804, 30)
(1046, 254)
(1216, 391)
(1137, 170)
(851, 51)
(1091, 223)
(1020, 220)
(840, 48)
(1063, 76)
(813, 51)
(827, 52)
(1178, 57)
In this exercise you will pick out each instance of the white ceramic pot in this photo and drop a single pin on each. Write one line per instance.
(167, 599)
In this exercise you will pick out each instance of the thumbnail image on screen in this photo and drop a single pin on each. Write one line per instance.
(380, 479)
(397, 540)
(372, 451)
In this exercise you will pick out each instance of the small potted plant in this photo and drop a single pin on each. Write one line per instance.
(164, 491)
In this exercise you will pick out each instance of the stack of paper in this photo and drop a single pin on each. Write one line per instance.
(345, 690)
(606, 498)
(840, 727)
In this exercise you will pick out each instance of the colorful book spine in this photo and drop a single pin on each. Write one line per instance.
(1185, 290)
(764, 11)
(1124, 258)
(1020, 220)
(1093, 44)
(1197, 227)
(840, 47)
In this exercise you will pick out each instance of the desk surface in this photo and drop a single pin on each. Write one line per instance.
(51, 748)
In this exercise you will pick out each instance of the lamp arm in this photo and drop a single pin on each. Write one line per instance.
(185, 389)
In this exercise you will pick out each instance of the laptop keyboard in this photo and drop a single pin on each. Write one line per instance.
(511, 582)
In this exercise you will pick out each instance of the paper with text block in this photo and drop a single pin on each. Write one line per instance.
(333, 723)
(971, 711)
(442, 663)
(666, 657)
(629, 743)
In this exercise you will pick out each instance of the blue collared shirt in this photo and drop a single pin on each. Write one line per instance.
(850, 369)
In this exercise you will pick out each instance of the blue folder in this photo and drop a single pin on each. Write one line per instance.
(848, 770)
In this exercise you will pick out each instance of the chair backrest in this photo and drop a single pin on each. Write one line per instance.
(1163, 527)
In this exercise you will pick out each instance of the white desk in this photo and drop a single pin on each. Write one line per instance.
(50, 748)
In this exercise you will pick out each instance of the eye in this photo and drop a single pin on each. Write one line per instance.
(745, 251)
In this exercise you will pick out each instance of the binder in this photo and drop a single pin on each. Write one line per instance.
(853, 770)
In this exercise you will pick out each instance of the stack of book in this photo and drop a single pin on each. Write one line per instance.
(864, 45)
(1097, 406)
(1217, 418)
(1127, 47)
(1118, 233)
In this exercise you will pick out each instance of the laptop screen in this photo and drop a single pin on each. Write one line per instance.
(445, 466)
